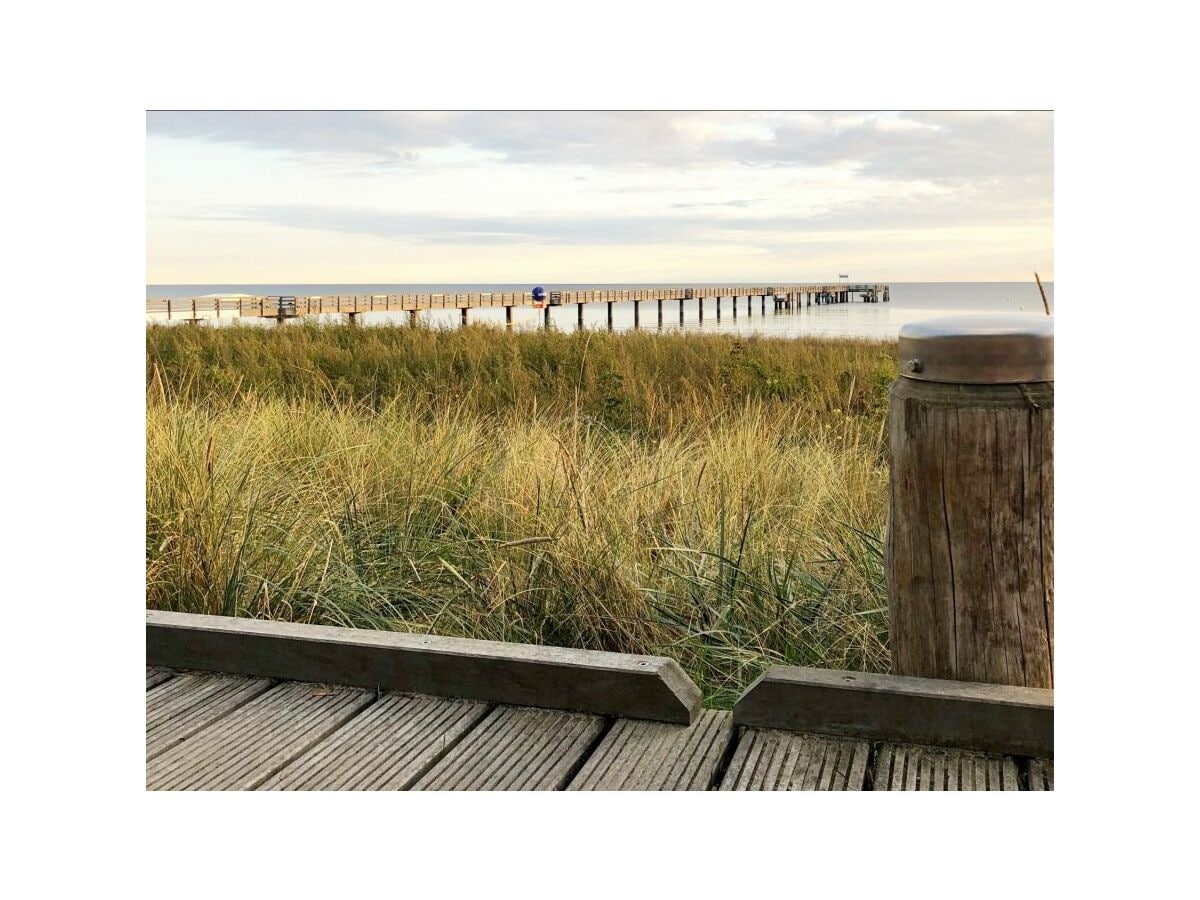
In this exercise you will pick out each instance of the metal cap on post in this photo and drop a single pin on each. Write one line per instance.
(970, 538)
(1000, 349)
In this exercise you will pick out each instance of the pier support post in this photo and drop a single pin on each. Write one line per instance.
(579, 316)
(718, 307)
(749, 306)
(735, 306)
(412, 317)
(610, 315)
(680, 310)
(637, 313)
(352, 318)
(508, 317)
(700, 309)
(764, 304)
(546, 316)
(970, 539)
(660, 321)
(464, 315)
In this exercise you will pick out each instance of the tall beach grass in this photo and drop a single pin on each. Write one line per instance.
(717, 500)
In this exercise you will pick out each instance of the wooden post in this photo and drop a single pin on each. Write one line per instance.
(970, 540)
(637, 313)
(735, 306)
(700, 308)
(464, 315)
(660, 303)
(412, 317)
(610, 315)
(546, 316)
(718, 307)
(680, 310)
(579, 316)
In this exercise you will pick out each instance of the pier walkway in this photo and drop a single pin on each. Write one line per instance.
(282, 308)
(252, 705)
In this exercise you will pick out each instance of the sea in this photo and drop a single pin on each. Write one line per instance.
(910, 301)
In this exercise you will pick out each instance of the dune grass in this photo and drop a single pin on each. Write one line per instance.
(717, 500)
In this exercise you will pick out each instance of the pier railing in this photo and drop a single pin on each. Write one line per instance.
(286, 307)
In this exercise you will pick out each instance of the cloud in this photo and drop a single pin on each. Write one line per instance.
(597, 230)
(944, 146)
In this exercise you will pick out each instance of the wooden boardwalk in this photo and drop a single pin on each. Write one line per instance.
(207, 731)
(282, 308)
(240, 704)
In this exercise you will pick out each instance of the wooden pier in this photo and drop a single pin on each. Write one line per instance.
(236, 704)
(283, 308)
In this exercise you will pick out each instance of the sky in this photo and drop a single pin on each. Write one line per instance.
(597, 197)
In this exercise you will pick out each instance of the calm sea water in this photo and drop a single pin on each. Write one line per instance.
(910, 301)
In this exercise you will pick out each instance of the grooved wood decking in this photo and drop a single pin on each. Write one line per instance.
(1041, 774)
(768, 760)
(227, 732)
(905, 767)
(655, 756)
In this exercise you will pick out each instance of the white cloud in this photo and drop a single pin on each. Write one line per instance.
(732, 192)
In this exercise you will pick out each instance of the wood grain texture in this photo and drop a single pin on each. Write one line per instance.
(156, 676)
(190, 702)
(386, 748)
(516, 749)
(656, 756)
(241, 750)
(908, 767)
(988, 717)
(769, 760)
(970, 544)
(1041, 774)
(590, 681)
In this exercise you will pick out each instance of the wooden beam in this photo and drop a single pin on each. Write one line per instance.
(591, 681)
(990, 717)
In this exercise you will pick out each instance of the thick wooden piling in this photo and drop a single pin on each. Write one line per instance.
(464, 315)
(546, 317)
(637, 313)
(610, 315)
(660, 316)
(579, 316)
(412, 317)
(970, 540)
(508, 316)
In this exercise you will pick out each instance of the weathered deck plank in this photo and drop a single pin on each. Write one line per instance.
(386, 748)
(769, 760)
(655, 756)
(1041, 774)
(243, 749)
(910, 767)
(516, 749)
(992, 718)
(156, 676)
(188, 703)
(587, 681)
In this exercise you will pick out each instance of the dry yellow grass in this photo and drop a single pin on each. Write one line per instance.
(728, 534)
